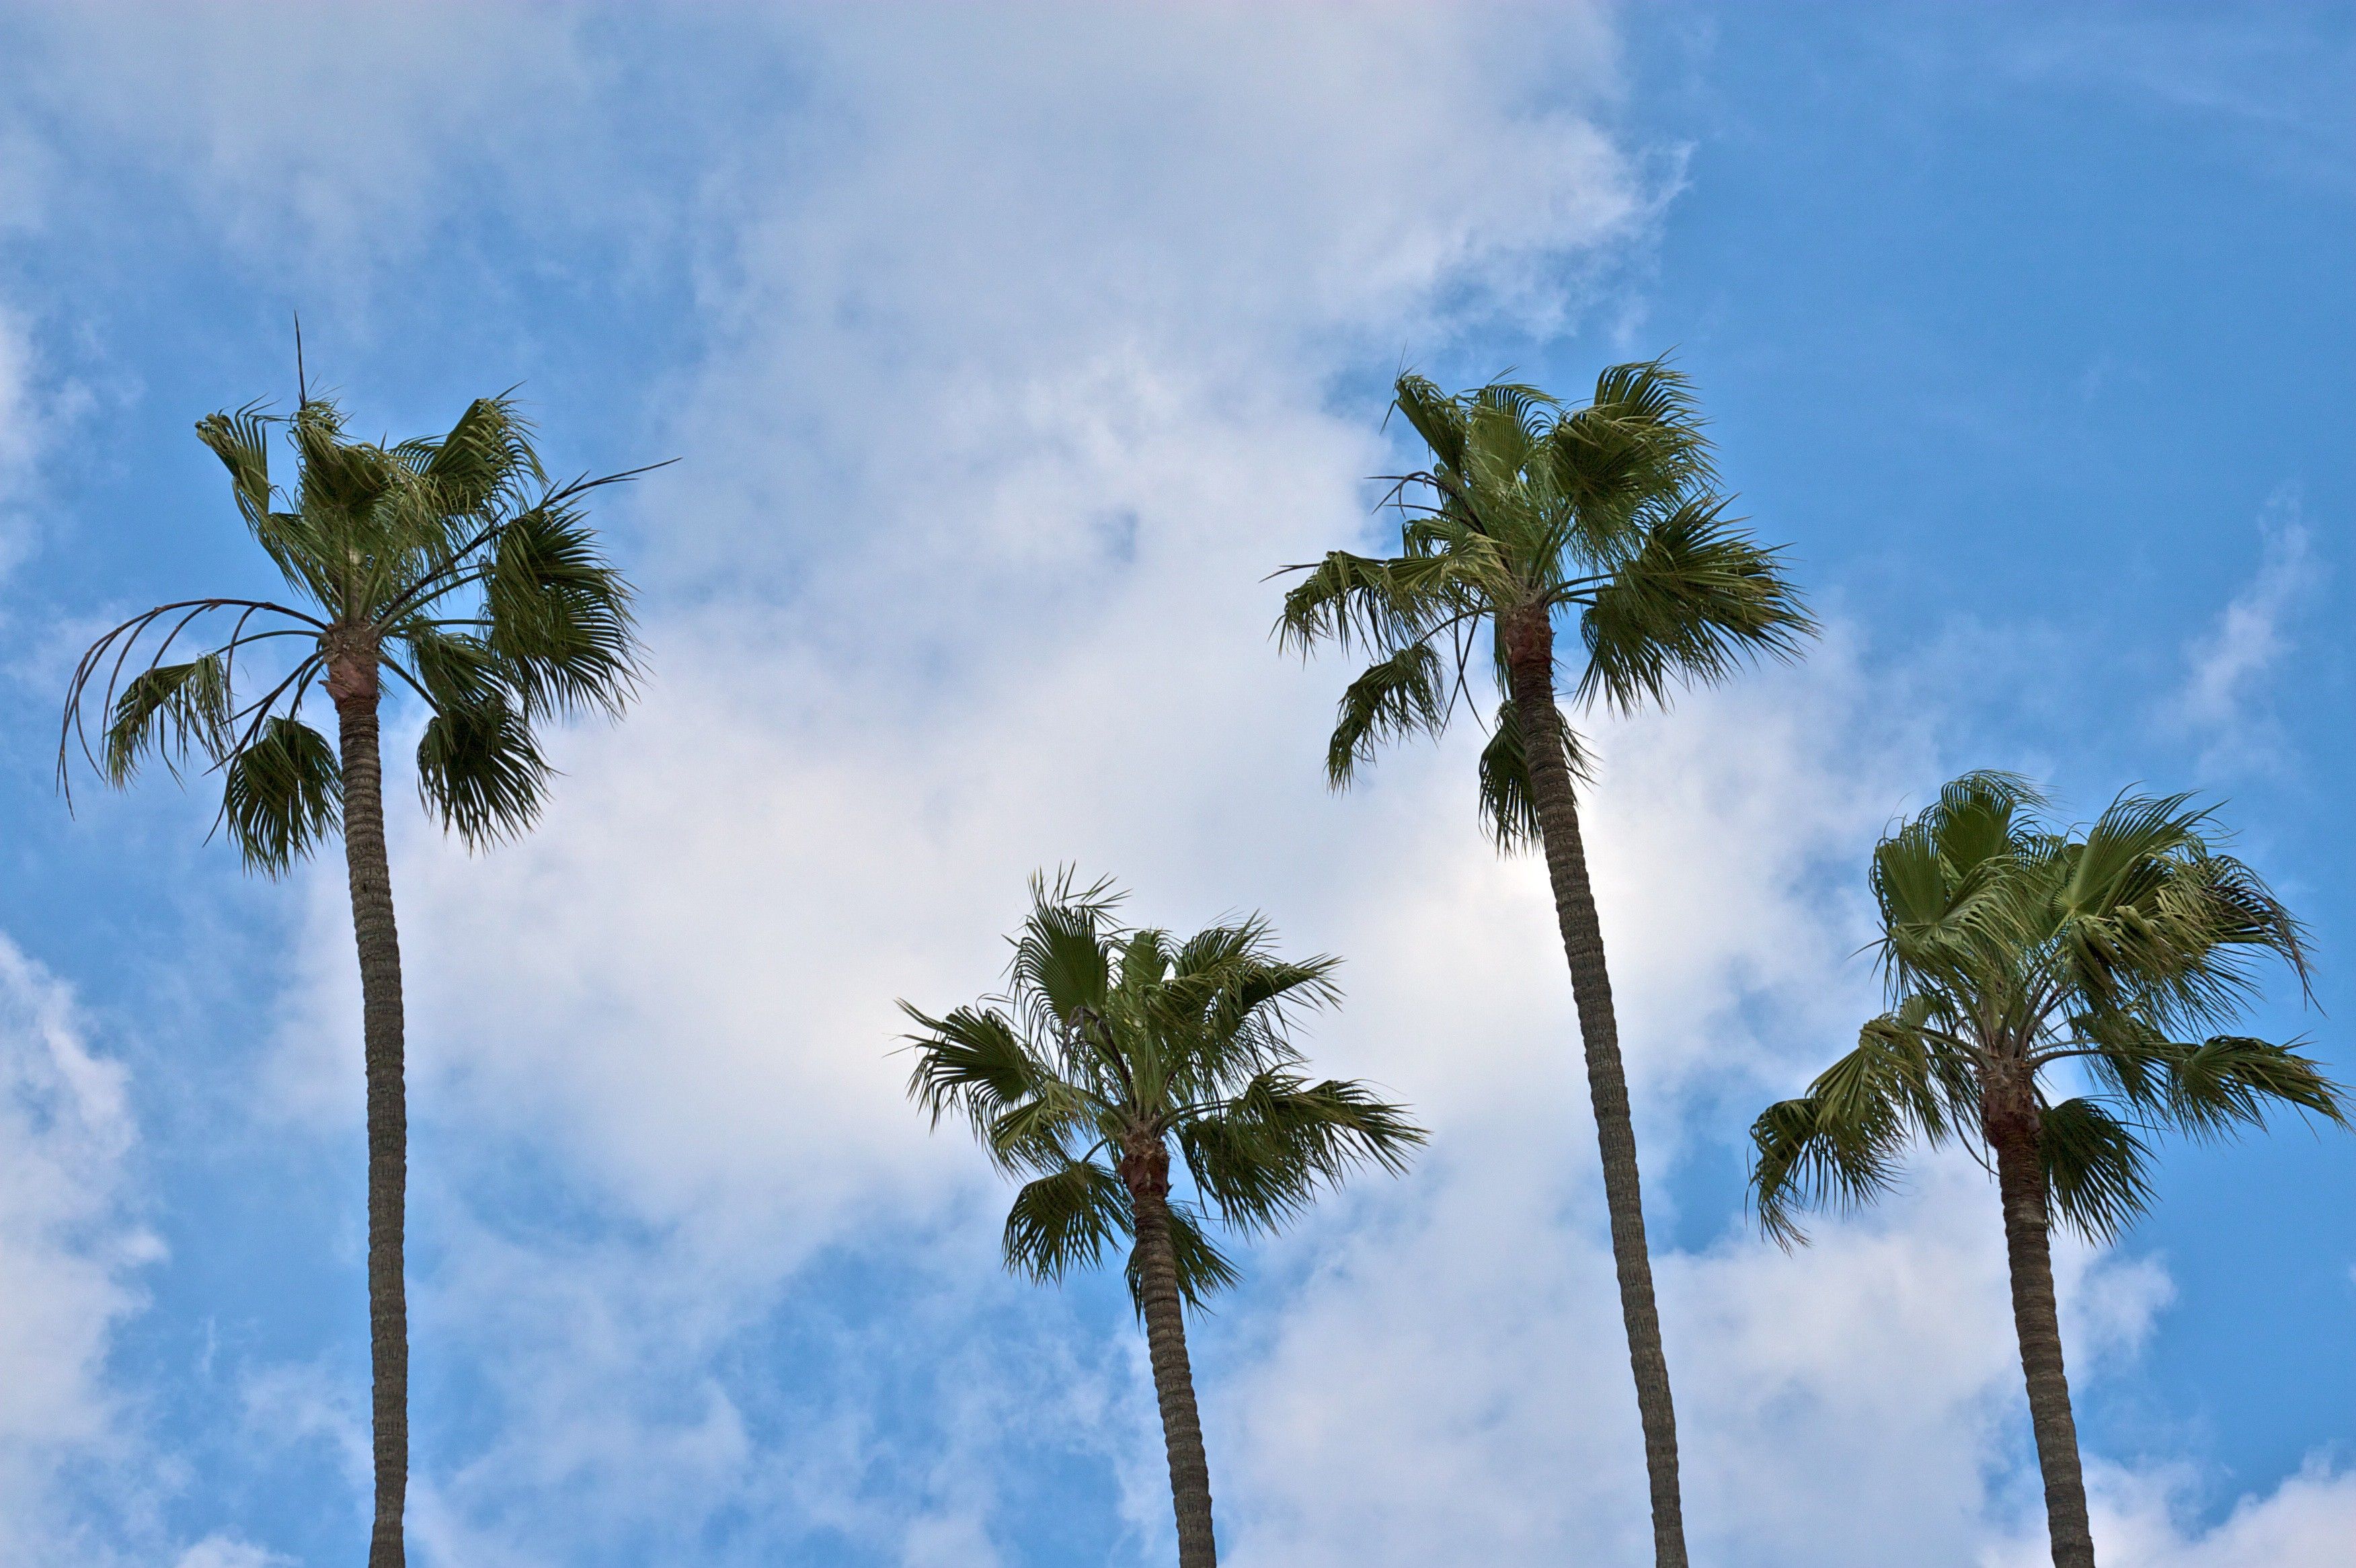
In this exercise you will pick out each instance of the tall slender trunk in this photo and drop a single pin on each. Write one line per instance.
(1146, 1170)
(352, 684)
(2011, 1122)
(1529, 649)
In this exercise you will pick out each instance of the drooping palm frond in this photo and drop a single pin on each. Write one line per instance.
(1397, 696)
(1509, 812)
(2095, 1168)
(1203, 1269)
(167, 709)
(479, 770)
(1263, 1155)
(282, 794)
(1066, 1220)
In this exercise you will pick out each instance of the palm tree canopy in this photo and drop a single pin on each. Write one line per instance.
(2015, 949)
(1609, 514)
(1111, 1043)
(454, 561)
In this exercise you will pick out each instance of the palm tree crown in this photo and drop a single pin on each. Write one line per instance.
(452, 561)
(2016, 950)
(2013, 948)
(1111, 1046)
(1530, 511)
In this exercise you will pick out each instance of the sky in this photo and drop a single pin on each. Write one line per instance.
(1003, 354)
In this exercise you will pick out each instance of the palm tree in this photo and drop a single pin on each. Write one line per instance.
(2014, 951)
(1530, 514)
(451, 563)
(1109, 1046)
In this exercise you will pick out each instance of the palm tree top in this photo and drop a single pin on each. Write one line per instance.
(1110, 1043)
(2014, 949)
(453, 562)
(1607, 515)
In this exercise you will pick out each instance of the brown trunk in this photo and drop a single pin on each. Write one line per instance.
(2011, 1123)
(352, 684)
(1529, 654)
(1147, 1171)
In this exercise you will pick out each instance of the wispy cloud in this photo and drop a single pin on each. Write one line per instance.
(2225, 698)
(71, 1251)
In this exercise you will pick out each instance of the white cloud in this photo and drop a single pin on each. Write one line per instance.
(326, 140)
(226, 1551)
(68, 1251)
(2141, 1518)
(2224, 697)
(32, 406)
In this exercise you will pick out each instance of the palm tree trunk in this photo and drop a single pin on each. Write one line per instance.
(2020, 1179)
(1147, 1171)
(1530, 674)
(354, 687)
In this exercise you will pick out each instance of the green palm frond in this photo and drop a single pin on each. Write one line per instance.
(1356, 601)
(1203, 1269)
(1687, 607)
(487, 455)
(282, 794)
(1397, 696)
(1066, 1220)
(558, 615)
(970, 1060)
(1061, 967)
(1263, 1155)
(1840, 1144)
(479, 770)
(1509, 812)
(2093, 1168)
(165, 709)
(2232, 1081)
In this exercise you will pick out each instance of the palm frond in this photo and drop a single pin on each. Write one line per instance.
(972, 1061)
(2228, 1082)
(1202, 1270)
(2093, 1168)
(1838, 1144)
(1696, 600)
(1262, 1156)
(165, 709)
(1066, 1220)
(282, 794)
(560, 617)
(479, 770)
(1509, 812)
(1383, 605)
(1396, 697)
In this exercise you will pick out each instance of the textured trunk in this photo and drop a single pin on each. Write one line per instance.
(1529, 649)
(352, 682)
(1147, 1171)
(2011, 1126)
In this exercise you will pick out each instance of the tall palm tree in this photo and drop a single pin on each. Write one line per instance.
(454, 564)
(1108, 1046)
(2016, 951)
(1529, 515)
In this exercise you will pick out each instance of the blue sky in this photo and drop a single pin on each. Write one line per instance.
(1003, 354)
